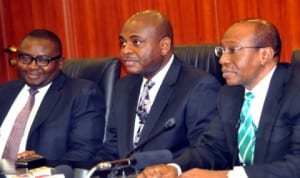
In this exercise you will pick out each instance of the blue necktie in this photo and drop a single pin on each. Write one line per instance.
(246, 132)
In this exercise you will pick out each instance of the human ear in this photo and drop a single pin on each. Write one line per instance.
(165, 45)
(61, 62)
(267, 54)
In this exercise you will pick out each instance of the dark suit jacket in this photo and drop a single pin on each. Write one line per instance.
(69, 123)
(277, 150)
(186, 94)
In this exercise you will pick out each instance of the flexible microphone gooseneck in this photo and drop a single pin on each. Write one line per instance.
(169, 124)
(137, 161)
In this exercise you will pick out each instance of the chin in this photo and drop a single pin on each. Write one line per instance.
(33, 84)
(133, 70)
(231, 82)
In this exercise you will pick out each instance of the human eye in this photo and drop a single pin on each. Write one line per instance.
(232, 50)
(24, 58)
(136, 42)
(42, 60)
(122, 43)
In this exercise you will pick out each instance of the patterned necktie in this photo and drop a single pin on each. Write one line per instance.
(246, 133)
(14, 139)
(143, 109)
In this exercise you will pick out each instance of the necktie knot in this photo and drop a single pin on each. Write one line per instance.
(32, 91)
(249, 96)
(149, 84)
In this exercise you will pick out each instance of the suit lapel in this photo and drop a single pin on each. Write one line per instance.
(49, 102)
(8, 97)
(270, 113)
(161, 100)
(232, 98)
(132, 100)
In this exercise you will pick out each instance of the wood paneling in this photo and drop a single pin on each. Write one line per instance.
(193, 21)
(90, 28)
(94, 26)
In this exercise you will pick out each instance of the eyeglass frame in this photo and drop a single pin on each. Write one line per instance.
(36, 59)
(233, 50)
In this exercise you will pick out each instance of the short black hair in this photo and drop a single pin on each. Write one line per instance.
(48, 35)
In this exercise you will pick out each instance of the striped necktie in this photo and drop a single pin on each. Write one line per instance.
(246, 132)
(13, 142)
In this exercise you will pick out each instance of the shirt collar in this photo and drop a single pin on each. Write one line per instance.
(159, 76)
(262, 87)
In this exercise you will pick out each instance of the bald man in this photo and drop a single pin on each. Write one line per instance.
(177, 91)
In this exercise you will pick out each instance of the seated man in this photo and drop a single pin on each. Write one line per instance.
(159, 87)
(63, 118)
(258, 129)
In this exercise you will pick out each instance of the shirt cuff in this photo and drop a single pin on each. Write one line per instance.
(237, 172)
(179, 171)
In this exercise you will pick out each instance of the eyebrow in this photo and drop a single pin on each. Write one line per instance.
(131, 37)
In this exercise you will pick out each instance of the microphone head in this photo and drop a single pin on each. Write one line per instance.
(66, 170)
(170, 123)
(148, 158)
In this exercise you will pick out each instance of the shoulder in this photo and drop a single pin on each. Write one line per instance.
(196, 74)
(11, 85)
(231, 91)
(129, 80)
(73, 85)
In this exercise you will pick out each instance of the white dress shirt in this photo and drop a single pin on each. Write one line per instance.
(14, 110)
(157, 79)
(260, 92)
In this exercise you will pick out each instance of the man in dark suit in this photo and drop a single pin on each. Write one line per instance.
(179, 91)
(249, 57)
(67, 118)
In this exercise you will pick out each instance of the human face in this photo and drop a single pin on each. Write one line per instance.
(141, 48)
(34, 75)
(244, 66)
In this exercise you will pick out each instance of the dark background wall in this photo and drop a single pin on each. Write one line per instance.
(90, 28)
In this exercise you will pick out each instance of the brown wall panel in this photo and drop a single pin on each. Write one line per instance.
(90, 28)
(94, 26)
(193, 21)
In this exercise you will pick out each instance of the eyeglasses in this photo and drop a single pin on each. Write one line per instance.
(39, 60)
(219, 51)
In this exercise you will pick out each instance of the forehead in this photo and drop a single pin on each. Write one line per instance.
(139, 27)
(240, 33)
(39, 45)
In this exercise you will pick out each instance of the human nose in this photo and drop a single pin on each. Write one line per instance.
(33, 64)
(126, 49)
(224, 59)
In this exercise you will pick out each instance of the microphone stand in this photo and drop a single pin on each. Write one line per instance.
(170, 124)
(114, 172)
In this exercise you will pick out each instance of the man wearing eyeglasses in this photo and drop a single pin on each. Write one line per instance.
(63, 119)
(257, 132)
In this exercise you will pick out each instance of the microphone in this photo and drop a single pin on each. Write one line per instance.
(169, 124)
(138, 160)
